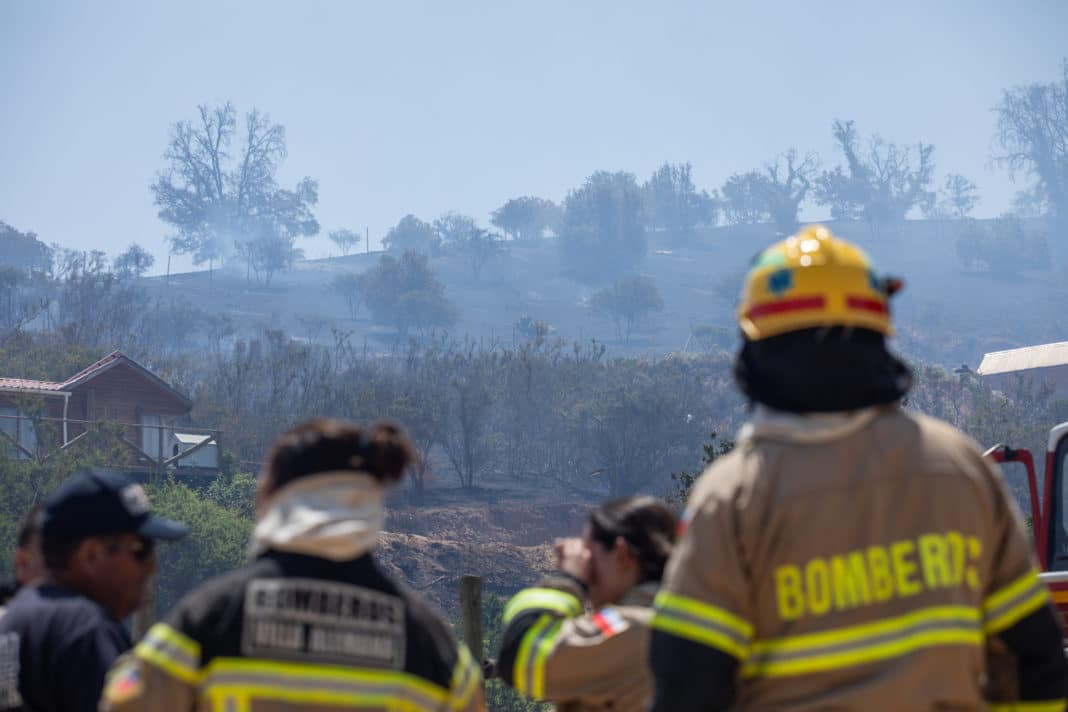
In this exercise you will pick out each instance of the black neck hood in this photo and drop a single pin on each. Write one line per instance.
(821, 370)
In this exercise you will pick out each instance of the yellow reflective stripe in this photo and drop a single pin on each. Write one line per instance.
(543, 599)
(307, 683)
(702, 623)
(869, 642)
(1029, 706)
(171, 651)
(1010, 604)
(543, 648)
(466, 678)
(522, 677)
(229, 701)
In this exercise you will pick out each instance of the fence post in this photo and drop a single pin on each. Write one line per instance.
(471, 615)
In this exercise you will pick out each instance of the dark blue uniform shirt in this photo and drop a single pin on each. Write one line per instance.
(59, 645)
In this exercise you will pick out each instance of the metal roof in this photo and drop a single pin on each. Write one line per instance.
(1025, 359)
(190, 438)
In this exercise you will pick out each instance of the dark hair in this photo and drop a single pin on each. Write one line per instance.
(30, 528)
(645, 523)
(325, 444)
(821, 370)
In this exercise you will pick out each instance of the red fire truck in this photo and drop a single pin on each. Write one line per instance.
(1049, 519)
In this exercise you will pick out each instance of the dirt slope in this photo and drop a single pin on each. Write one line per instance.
(508, 544)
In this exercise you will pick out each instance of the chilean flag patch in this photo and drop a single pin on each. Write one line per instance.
(609, 621)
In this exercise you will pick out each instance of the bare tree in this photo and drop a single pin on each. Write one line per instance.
(789, 180)
(218, 200)
(880, 185)
(345, 240)
(959, 196)
(1033, 137)
(626, 302)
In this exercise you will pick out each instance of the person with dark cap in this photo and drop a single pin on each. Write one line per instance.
(28, 560)
(846, 554)
(59, 638)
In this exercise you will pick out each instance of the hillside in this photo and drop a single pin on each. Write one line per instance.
(946, 314)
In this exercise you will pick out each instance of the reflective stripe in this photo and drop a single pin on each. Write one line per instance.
(702, 623)
(1029, 706)
(236, 679)
(855, 645)
(172, 651)
(542, 599)
(466, 678)
(528, 676)
(1008, 605)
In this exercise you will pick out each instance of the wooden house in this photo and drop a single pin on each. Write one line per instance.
(39, 416)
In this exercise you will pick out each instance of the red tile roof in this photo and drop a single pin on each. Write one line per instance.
(92, 369)
(24, 384)
(112, 359)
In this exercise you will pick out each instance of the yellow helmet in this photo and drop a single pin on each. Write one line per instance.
(814, 279)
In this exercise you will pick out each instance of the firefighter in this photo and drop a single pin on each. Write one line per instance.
(314, 623)
(846, 554)
(552, 650)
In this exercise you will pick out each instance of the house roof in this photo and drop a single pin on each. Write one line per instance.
(190, 438)
(1025, 359)
(25, 384)
(104, 365)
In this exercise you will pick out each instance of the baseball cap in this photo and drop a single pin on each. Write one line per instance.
(92, 503)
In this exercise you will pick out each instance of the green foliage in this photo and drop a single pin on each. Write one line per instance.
(526, 218)
(405, 293)
(235, 492)
(684, 481)
(411, 233)
(603, 230)
(23, 250)
(774, 195)
(218, 541)
(134, 262)
(24, 482)
(626, 302)
(499, 696)
(674, 205)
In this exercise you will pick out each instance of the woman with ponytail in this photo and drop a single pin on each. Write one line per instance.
(554, 649)
(313, 623)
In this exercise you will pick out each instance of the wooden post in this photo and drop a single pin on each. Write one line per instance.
(471, 614)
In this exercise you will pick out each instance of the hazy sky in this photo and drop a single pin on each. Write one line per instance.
(399, 107)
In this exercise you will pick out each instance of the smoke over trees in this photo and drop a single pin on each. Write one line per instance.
(218, 191)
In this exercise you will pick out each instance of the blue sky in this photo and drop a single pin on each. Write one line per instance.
(399, 107)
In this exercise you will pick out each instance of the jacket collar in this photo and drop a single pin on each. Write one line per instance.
(641, 595)
(767, 423)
